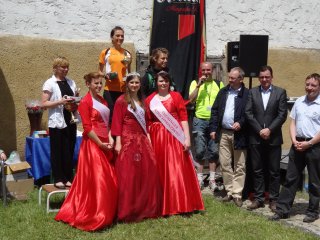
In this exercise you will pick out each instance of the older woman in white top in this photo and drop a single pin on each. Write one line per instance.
(62, 132)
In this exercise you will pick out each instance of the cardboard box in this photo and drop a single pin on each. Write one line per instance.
(19, 189)
(18, 167)
(16, 176)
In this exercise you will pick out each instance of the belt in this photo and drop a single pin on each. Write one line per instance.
(300, 139)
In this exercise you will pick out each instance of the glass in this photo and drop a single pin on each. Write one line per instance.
(265, 77)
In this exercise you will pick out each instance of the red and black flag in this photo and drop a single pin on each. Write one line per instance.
(179, 26)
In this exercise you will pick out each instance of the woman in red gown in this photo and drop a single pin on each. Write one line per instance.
(91, 203)
(138, 179)
(181, 193)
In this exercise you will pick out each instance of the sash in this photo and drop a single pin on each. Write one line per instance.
(102, 109)
(169, 122)
(139, 114)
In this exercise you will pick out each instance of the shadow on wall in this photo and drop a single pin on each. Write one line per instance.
(7, 117)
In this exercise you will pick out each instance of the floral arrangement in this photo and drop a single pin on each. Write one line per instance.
(34, 106)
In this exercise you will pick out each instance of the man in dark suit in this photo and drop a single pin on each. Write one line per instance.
(266, 111)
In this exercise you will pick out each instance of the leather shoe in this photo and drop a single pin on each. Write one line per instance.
(226, 199)
(272, 206)
(278, 216)
(238, 202)
(310, 219)
(255, 205)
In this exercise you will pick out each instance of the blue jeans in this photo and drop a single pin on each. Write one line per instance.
(205, 148)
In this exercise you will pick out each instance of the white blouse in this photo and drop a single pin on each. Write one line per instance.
(56, 119)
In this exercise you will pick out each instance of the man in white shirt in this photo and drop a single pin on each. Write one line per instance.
(305, 151)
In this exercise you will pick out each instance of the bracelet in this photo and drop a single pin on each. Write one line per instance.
(310, 143)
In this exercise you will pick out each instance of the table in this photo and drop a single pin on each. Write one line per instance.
(37, 153)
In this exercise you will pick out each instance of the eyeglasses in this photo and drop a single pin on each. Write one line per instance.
(265, 77)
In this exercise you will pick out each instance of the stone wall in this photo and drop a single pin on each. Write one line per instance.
(290, 24)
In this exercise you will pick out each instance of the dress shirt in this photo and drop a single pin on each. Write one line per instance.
(228, 116)
(265, 96)
(307, 117)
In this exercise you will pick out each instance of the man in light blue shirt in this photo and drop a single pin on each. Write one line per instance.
(305, 151)
(228, 128)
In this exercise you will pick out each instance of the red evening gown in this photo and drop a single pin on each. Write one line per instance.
(138, 179)
(181, 192)
(91, 203)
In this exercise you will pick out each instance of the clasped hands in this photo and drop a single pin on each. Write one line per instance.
(301, 146)
(107, 146)
(265, 133)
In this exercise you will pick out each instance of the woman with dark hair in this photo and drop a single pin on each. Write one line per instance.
(158, 62)
(167, 122)
(55, 96)
(139, 183)
(91, 203)
(116, 61)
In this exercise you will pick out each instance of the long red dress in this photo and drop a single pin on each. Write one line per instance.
(138, 179)
(91, 203)
(181, 192)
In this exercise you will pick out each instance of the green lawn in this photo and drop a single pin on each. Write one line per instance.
(28, 220)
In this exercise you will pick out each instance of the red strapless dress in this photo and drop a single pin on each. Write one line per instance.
(91, 203)
(181, 192)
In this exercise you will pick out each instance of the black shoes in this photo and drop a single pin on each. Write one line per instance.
(272, 206)
(278, 216)
(310, 219)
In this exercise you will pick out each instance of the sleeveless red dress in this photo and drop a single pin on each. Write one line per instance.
(91, 203)
(139, 184)
(181, 192)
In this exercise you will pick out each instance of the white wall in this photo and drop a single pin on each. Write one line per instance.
(292, 24)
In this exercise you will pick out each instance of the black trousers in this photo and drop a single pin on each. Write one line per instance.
(265, 162)
(297, 162)
(62, 142)
(111, 98)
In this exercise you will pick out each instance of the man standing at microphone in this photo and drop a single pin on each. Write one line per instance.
(204, 92)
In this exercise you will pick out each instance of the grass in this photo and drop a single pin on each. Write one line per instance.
(28, 220)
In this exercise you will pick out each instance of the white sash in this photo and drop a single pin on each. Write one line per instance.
(102, 109)
(169, 122)
(139, 114)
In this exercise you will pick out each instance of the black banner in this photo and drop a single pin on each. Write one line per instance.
(179, 26)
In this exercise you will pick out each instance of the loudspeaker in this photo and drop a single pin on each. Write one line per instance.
(253, 53)
(233, 54)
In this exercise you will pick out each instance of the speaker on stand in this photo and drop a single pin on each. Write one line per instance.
(253, 53)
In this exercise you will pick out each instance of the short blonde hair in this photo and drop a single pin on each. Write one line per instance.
(60, 62)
